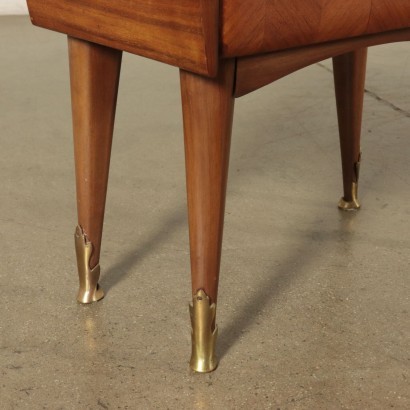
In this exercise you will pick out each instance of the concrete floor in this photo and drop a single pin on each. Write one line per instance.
(314, 303)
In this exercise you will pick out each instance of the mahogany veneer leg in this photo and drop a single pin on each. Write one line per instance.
(349, 74)
(208, 112)
(94, 72)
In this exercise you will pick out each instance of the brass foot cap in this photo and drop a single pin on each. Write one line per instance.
(204, 334)
(89, 296)
(204, 367)
(90, 290)
(353, 205)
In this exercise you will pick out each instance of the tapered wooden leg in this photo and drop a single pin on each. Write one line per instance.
(94, 72)
(349, 74)
(208, 112)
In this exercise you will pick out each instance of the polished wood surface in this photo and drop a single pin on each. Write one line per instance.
(94, 72)
(182, 33)
(259, 26)
(350, 74)
(260, 70)
(208, 112)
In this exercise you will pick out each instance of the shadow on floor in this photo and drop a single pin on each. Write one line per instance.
(123, 268)
(283, 273)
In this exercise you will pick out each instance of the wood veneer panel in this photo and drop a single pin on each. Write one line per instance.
(259, 26)
(183, 33)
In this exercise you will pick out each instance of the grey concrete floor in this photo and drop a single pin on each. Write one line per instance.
(314, 303)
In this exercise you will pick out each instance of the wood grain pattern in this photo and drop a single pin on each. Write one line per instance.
(208, 112)
(257, 71)
(183, 33)
(261, 26)
(350, 74)
(94, 72)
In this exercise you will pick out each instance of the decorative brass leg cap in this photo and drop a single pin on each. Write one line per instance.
(352, 205)
(204, 333)
(90, 290)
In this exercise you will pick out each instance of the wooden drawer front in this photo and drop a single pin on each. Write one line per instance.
(259, 26)
(183, 33)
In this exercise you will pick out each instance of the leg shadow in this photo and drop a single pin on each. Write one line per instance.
(308, 253)
(120, 270)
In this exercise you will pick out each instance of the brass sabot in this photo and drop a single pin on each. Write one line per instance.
(204, 333)
(354, 204)
(89, 290)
